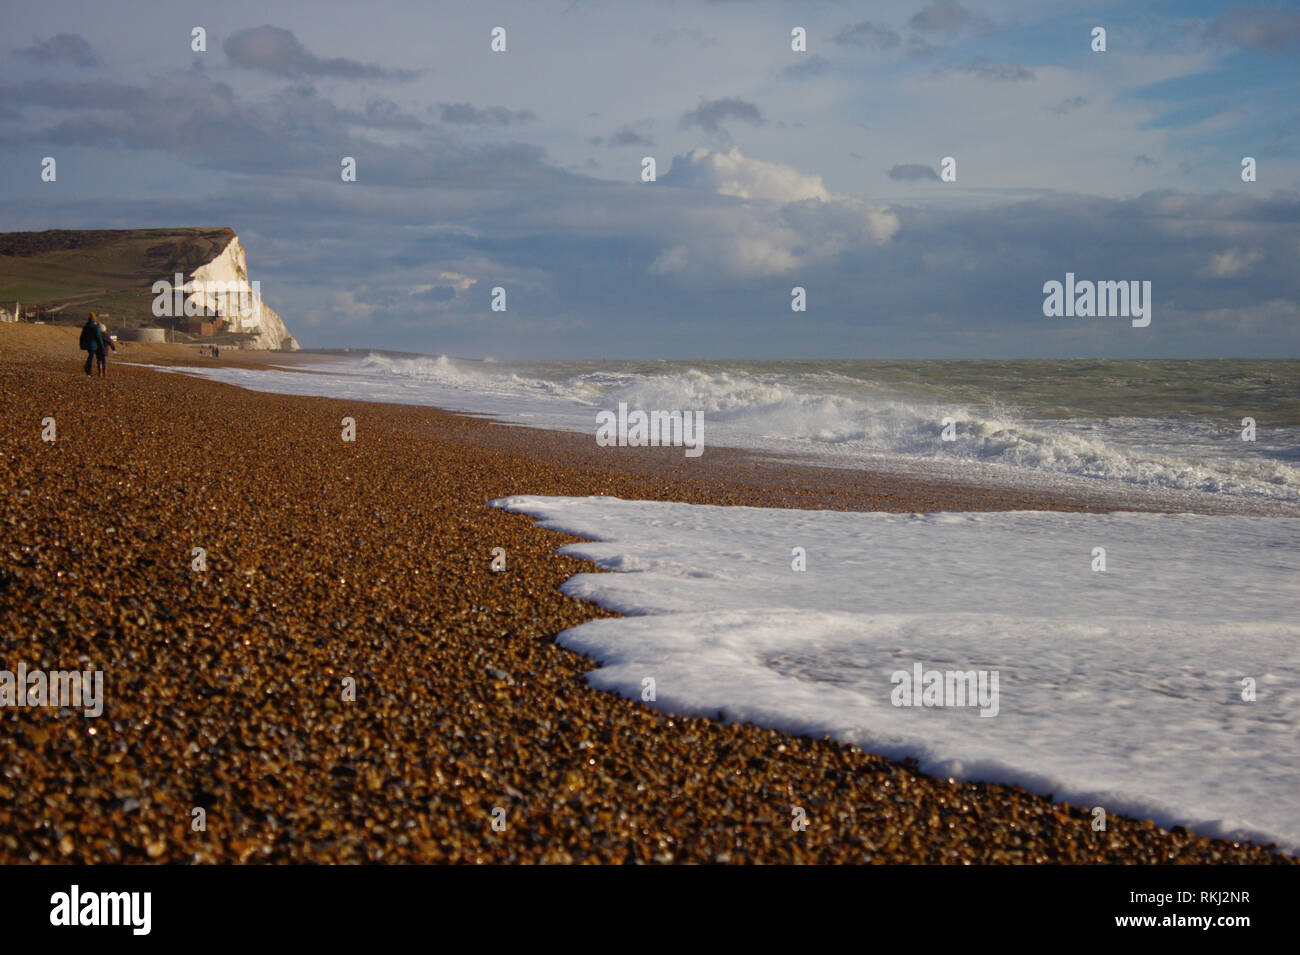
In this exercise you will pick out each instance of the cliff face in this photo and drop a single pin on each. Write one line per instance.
(60, 274)
(250, 314)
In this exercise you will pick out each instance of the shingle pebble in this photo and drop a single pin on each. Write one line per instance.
(349, 681)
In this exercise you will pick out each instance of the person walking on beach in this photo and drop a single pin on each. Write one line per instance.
(91, 341)
(105, 343)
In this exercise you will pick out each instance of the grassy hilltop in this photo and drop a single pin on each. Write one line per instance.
(66, 273)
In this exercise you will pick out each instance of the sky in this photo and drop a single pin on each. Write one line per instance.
(776, 168)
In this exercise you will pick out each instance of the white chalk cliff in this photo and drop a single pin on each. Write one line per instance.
(230, 270)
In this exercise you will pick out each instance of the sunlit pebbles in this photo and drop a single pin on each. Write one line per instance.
(224, 688)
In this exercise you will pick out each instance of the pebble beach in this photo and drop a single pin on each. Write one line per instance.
(333, 565)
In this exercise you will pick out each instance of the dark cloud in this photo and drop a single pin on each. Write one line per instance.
(71, 48)
(296, 132)
(867, 34)
(384, 114)
(911, 172)
(304, 104)
(439, 293)
(65, 94)
(466, 114)
(1070, 105)
(944, 16)
(711, 114)
(629, 137)
(277, 51)
(807, 66)
(995, 72)
(1256, 28)
(1145, 160)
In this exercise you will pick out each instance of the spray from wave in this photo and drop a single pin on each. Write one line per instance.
(1009, 419)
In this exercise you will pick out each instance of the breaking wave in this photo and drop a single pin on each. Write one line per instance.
(846, 418)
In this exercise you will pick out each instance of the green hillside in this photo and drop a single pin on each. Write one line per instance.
(65, 273)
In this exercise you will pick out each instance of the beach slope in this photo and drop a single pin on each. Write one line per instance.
(348, 679)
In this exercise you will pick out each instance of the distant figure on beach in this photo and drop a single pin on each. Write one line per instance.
(105, 343)
(92, 341)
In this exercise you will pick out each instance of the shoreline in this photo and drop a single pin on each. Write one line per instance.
(371, 560)
(981, 486)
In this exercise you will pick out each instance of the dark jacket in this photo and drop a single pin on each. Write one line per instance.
(91, 339)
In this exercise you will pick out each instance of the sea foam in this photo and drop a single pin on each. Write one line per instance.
(1121, 689)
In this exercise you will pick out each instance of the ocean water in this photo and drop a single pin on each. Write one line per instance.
(1120, 689)
(1169, 431)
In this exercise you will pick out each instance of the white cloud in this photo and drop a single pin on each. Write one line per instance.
(348, 304)
(788, 218)
(445, 279)
(731, 174)
(1232, 262)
